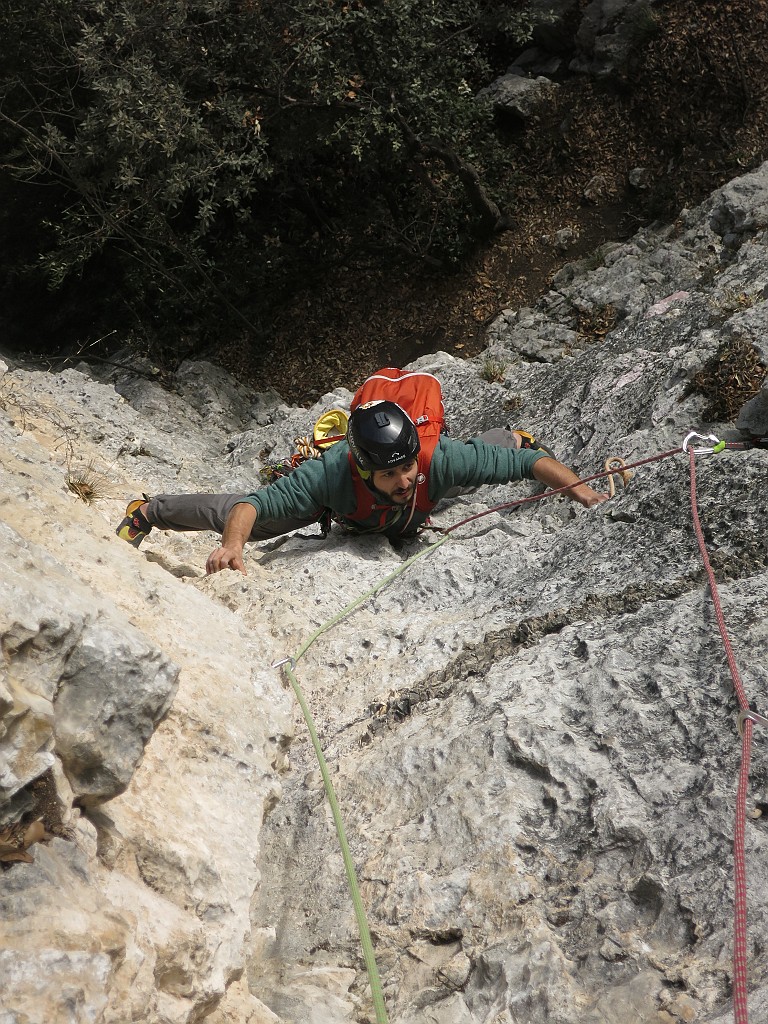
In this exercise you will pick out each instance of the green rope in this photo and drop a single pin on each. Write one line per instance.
(357, 902)
(349, 867)
(348, 609)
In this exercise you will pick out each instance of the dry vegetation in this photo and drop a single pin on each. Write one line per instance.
(733, 377)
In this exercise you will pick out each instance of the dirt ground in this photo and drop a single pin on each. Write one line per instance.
(693, 114)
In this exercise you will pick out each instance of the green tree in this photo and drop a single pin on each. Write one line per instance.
(208, 151)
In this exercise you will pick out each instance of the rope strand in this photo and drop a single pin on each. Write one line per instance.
(560, 490)
(740, 949)
(740, 1008)
(371, 967)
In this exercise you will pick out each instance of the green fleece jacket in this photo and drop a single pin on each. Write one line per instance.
(326, 483)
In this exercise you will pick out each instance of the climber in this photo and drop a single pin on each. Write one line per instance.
(381, 479)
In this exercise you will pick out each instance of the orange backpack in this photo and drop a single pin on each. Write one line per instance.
(417, 392)
(421, 396)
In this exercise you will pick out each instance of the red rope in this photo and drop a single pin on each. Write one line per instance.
(740, 1011)
(559, 490)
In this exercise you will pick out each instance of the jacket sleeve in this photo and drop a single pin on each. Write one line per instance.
(303, 494)
(471, 464)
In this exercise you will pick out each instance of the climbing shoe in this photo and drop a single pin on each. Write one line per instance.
(134, 527)
(527, 440)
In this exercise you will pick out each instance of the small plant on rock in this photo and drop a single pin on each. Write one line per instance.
(732, 300)
(596, 323)
(494, 371)
(86, 482)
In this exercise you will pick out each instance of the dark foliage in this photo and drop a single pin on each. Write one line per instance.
(173, 168)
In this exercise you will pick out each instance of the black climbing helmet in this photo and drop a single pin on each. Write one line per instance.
(381, 435)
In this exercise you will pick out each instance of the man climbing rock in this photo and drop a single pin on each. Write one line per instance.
(384, 477)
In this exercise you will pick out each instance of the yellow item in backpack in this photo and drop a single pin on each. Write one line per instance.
(330, 428)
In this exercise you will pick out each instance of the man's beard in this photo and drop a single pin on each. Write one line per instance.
(393, 499)
(403, 499)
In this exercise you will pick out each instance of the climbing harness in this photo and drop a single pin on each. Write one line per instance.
(693, 445)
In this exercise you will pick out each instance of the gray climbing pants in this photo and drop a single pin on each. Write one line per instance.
(209, 512)
(181, 512)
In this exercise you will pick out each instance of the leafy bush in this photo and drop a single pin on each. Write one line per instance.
(200, 155)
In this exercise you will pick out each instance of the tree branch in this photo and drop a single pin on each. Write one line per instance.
(490, 216)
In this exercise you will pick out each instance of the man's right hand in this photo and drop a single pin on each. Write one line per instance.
(225, 558)
(237, 530)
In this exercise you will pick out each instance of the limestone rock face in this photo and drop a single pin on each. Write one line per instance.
(122, 685)
(531, 731)
(74, 680)
(100, 735)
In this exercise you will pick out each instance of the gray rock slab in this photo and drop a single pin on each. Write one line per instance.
(532, 730)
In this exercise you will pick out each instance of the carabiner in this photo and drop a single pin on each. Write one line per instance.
(284, 661)
(716, 446)
(753, 717)
(615, 464)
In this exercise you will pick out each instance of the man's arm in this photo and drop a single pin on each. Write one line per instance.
(554, 474)
(237, 530)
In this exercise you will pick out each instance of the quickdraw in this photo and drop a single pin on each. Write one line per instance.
(616, 465)
(715, 448)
